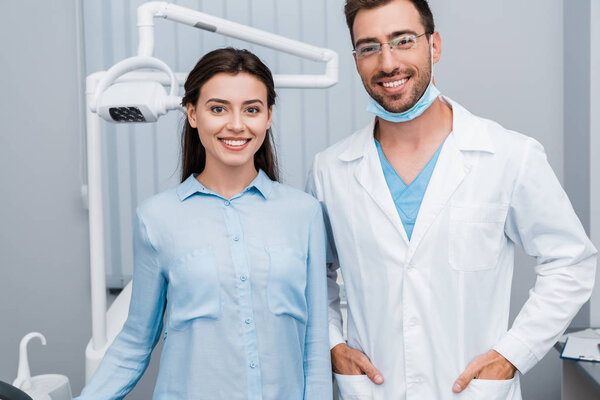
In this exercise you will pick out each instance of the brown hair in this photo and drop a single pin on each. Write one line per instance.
(352, 8)
(229, 61)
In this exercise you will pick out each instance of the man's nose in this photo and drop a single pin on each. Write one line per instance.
(387, 63)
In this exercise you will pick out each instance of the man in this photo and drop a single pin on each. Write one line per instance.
(424, 207)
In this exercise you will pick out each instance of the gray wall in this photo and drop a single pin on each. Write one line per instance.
(44, 257)
(595, 148)
(505, 65)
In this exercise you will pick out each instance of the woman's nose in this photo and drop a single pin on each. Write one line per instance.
(236, 123)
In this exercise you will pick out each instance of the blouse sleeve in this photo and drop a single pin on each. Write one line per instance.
(317, 364)
(128, 356)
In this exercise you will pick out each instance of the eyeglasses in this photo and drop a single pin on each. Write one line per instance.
(404, 42)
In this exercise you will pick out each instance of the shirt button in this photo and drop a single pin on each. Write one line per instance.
(236, 238)
(243, 278)
(248, 321)
(252, 364)
(227, 203)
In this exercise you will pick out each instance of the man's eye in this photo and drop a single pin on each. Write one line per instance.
(403, 42)
(217, 109)
(369, 49)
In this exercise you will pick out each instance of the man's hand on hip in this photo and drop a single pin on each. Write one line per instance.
(348, 361)
(491, 365)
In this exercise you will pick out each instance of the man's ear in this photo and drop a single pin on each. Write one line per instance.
(437, 46)
(191, 115)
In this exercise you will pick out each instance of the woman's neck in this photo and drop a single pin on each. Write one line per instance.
(227, 181)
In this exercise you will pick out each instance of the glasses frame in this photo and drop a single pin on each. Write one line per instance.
(356, 51)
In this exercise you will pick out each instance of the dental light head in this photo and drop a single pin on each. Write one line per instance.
(134, 101)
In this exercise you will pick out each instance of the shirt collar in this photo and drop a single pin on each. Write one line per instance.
(262, 183)
(470, 132)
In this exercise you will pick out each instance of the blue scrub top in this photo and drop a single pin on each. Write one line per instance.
(407, 198)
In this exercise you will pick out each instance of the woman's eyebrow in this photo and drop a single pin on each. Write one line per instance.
(254, 101)
(215, 100)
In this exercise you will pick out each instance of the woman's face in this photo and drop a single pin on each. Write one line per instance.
(232, 118)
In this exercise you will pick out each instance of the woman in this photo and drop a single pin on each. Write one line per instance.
(234, 257)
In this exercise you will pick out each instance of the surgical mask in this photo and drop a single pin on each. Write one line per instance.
(431, 93)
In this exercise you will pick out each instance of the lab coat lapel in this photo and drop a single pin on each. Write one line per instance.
(369, 174)
(449, 172)
(468, 135)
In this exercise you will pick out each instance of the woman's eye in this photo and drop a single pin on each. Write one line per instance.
(217, 109)
(253, 110)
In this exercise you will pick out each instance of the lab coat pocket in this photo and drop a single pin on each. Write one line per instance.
(484, 389)
(476, 235)
(194, 289)
(354, 387)
(286, 288)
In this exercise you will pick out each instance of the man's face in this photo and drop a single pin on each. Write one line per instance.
(396, 79)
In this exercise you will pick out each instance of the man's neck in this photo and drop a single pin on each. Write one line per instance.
(431, 126)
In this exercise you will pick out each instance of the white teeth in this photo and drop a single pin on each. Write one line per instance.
(235, 142)
(395, 83)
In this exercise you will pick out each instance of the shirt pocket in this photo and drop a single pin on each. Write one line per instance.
(476, 235)
(286, 286)
(194, 289)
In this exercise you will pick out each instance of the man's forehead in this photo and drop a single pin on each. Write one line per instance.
(380, 22)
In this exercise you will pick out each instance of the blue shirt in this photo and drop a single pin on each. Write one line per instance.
(407, 198)
(243, 283)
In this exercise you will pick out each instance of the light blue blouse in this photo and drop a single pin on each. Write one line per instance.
(243, 283)
(407, 198)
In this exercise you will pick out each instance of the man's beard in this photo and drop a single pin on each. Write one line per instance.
(420, 86)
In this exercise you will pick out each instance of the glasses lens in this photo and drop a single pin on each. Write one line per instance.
(367, 50)
(404, 42)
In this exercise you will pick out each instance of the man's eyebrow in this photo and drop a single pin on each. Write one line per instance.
(400, 33)
(364, 40)
(390, 36)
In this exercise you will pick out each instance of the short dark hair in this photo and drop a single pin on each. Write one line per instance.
(352, 8)
(230, 61)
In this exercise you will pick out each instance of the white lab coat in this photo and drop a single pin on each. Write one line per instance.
(422, 310)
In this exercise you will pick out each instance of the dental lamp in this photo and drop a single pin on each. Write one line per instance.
(134, 101)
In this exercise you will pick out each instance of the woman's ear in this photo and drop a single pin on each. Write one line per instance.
(270, 116)
(191, 115)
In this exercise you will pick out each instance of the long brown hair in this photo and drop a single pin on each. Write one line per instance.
(229, 61)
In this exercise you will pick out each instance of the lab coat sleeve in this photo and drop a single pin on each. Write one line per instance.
(336, 335)
(542, 221)
(317, 363)
(128, 356)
